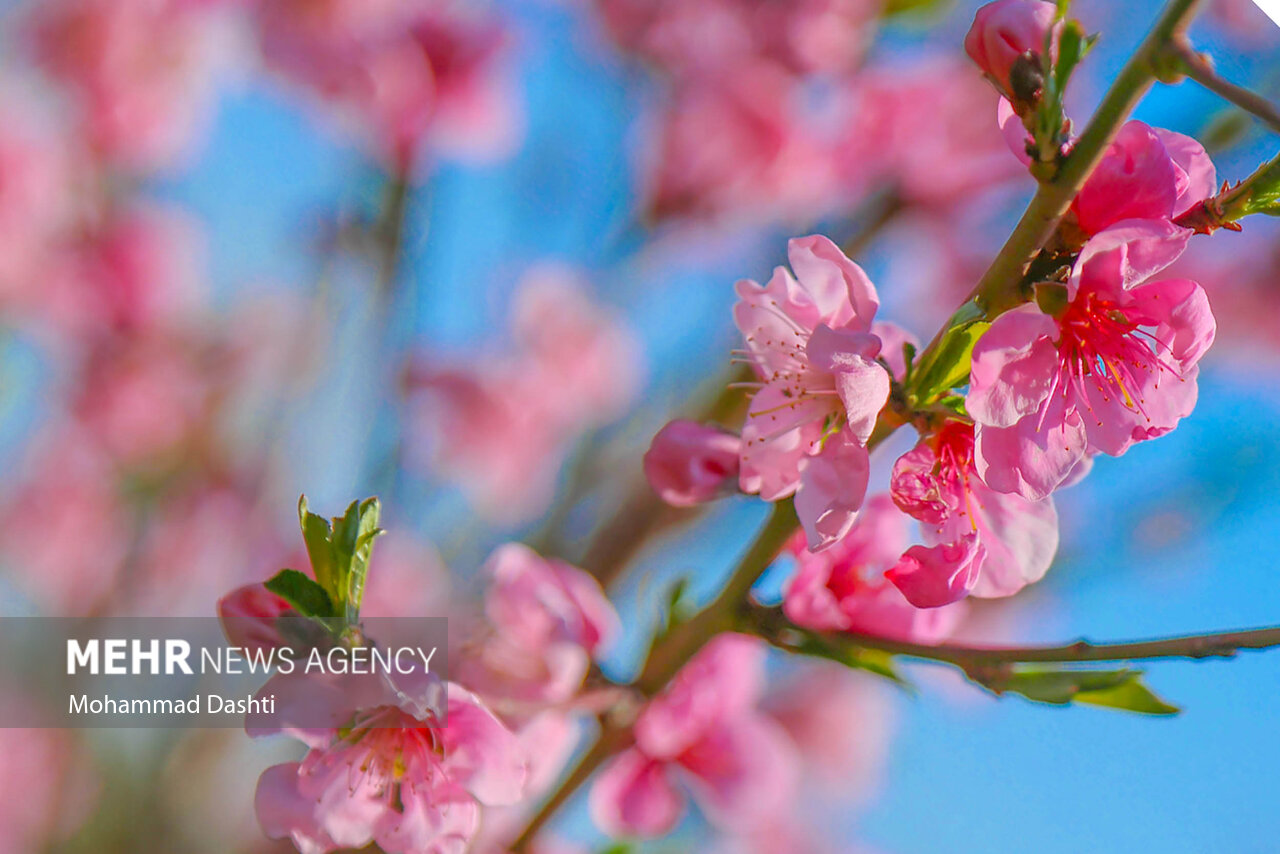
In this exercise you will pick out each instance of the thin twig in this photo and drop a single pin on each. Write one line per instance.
(772, 625)
(1199, 68)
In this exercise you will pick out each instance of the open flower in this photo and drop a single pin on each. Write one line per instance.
(705, 731)
(548, 620)
(396, 776)
(977, 541)
(809, 338)
(1117, 364)
(1145, 173)
(844, 588)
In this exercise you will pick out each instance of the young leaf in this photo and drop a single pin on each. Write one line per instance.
(1116, 689)
(306, 596)
(317, 534)
(949, 366)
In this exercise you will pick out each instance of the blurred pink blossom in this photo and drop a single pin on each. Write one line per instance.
(405, 72)
(547, 621)
(141, 73)
(66, 530)
(705, 731)
(501, 427)
(690, 463)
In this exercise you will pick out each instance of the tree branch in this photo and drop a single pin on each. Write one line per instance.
(1199, 68)
(772, 625)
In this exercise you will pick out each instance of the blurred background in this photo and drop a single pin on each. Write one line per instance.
(469, 257)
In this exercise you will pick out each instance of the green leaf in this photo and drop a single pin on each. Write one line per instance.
(1073, 44)
(306, 596)
(874, 661)
(317, 534)
(340, 551)
(948, 368)
(1116, 689)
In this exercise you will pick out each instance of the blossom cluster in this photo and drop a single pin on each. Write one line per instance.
(1101, 355)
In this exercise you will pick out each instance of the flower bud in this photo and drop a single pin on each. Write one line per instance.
(689, 463)
(249, 617)
(1005, 32)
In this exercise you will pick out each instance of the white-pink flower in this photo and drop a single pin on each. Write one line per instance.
(809, 338)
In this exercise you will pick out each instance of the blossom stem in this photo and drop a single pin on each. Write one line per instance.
(772, 625)
(1199, 68)
(999, 287)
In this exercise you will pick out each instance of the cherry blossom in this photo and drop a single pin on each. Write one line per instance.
(844, 588)
(690, 463)
(397, 776)
(977, 541)
(809, 338)
(1117, 364)
(704, 731)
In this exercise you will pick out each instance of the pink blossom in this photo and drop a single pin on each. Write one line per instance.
(705, 731)
(1006, 30)
(406, 72)
(1116, 366)
(737, 145)
(689, 37)
(35, 197)
(690, 463)
(48, 788)
(977, 541)
(501, 426)
(249, 616)
(1145, 173)
(547, 621)
(138, 269)
(843, 588)
(140, 71)
(146, 397)
(924, 129)
(841, 722)
(395, 776)
(809, 338)
(65, 531)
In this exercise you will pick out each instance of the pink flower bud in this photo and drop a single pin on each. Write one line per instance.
(689, 463)
(249, 616)
(1005, 30)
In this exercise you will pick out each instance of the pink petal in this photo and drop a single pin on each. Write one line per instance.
(631, 796)
(780, 432)
(931, 577)
(284, 813)
(481, 754)
(1033, 457)
(1013, 368)
(1125, 254)
(1197, 178)
(832, 487)
(742, 770)
(834, 281)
